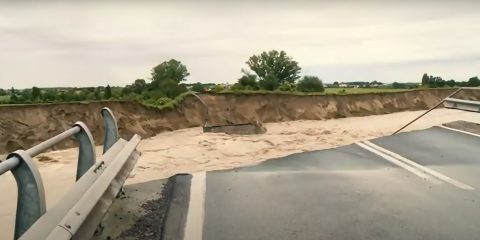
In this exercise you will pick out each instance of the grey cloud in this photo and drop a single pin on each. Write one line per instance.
(58, 43)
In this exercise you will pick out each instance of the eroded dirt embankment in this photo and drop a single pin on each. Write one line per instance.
(26, 125)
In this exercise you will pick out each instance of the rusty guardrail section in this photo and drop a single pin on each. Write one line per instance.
(81, 209)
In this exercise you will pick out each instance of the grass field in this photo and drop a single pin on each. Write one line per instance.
(362, 90)
(173, 103)
(328, 91)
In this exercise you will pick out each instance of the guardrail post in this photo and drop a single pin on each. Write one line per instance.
(31, 194)
(111, 129)
(86, 150)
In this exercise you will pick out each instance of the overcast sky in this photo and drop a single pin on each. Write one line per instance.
(89, 44)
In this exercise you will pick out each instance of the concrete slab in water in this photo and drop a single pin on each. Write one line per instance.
(244, 129)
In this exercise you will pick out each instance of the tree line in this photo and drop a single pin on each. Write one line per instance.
(436, 82)
(48, 95)
(270, 70)
(273, 70)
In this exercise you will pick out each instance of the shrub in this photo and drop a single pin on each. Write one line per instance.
(270, 82)
(219, 88)
(287, 87)
(310, 84)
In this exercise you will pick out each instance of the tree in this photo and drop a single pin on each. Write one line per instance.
(398, 85)
(3, 92)
(127, 90)
(197, 87)
(139, 86)
(310, 84)
(25, 95)
(440, 82)
(450, 83)
(248, 80)
(432, 82)
(375, 82)
(13, 95)
(69, 95)
(269, 82)
(108, 92)
(36, 94)
(97, 94)
(473, 82)
(274, 66)
(50, 95)
(169, 70)
(81, 95)
(425, 79)
(171, 88)
(336, 84)
(167, 76)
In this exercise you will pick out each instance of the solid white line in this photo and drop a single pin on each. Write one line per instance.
(460, 131)
(421, 167)
(196, 207)
(399, 163)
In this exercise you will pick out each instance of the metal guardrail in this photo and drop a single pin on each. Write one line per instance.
(467, 105)
(437, 105)
(82, 208)
(205, 121)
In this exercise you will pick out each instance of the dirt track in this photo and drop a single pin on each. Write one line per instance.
(24, 126)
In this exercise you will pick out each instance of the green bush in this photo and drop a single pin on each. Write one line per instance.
(287, 87)
(162, 101)
(310, 84)
(270, 82)
(219, 88)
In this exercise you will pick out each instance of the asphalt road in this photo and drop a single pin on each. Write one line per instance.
(417, 185)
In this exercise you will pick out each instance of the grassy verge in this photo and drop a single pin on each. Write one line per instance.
(173, 103)
(363, 90)
(328, 91)
(170, 104)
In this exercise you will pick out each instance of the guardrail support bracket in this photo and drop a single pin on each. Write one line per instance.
(31, 194)
(111, 129)
(86, 150)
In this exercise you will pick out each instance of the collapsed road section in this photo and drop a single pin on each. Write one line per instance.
(416, 185)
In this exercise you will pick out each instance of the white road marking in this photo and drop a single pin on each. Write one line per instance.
(460, 131)
(196, 208)
(399, 163)
(421, 167)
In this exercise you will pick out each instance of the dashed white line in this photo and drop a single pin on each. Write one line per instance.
(460, 131)
(420, 167)
(196, 208)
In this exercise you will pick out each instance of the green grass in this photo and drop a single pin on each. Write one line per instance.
(179, 99)
(328, 91)
(362, 90)
(169, 105)
(4, 99)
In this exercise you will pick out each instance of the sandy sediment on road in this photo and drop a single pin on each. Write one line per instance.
(190, 150)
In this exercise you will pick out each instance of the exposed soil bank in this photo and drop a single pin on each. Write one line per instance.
(22, 126)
